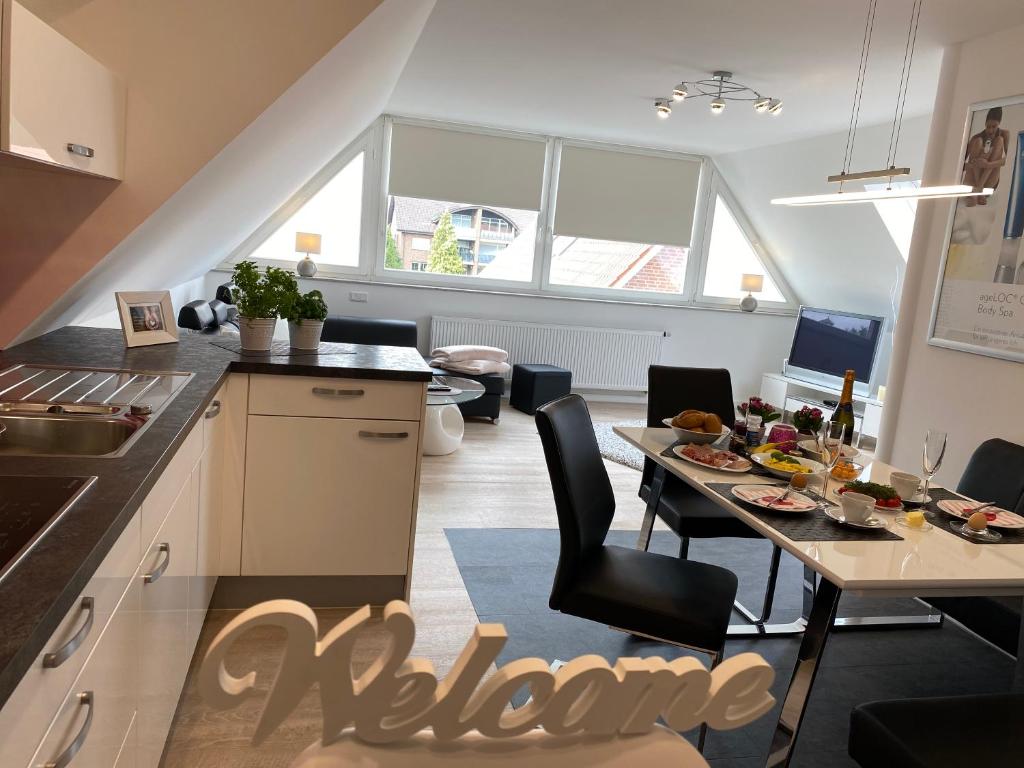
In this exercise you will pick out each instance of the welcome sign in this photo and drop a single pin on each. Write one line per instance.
(979, 302)
(398, 713)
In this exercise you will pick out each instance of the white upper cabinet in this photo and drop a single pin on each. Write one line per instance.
(58, 105)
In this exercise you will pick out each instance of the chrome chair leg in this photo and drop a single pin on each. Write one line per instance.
(769, 593)
(653, 499)
(684, 547)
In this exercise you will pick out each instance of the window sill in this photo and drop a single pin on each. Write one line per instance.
(534, 294)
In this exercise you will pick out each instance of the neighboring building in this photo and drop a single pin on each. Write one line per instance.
(482, 232)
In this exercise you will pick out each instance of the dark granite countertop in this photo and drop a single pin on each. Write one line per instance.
(38, 593)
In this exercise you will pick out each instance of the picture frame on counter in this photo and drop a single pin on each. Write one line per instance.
(147, 317)
(979, 299)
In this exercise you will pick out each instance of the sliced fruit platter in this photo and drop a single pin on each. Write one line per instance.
(706, 456)
(885, 496)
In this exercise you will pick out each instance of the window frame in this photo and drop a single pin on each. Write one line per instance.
(718, 188)
(375, 143)
(367, 144)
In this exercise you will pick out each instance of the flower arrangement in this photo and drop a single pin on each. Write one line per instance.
(759, 407)
(808, 419)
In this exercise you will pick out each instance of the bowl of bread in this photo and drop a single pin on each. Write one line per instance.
(698, 427)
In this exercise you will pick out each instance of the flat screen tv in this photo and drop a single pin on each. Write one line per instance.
(827, 342)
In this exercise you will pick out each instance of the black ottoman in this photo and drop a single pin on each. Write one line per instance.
(534, 384)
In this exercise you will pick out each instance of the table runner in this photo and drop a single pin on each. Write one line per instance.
(941, 519)
(805, 527)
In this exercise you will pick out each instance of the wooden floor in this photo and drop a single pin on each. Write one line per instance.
(497, 479)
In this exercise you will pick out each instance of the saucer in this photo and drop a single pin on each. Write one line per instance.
(985, 535)
(871, 524)
(917, 501)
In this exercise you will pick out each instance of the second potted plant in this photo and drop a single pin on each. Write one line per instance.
(259, 298)
(305, 313)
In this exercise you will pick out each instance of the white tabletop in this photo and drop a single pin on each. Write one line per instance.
(931, 562)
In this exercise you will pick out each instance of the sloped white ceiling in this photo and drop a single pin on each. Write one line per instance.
(253, 175)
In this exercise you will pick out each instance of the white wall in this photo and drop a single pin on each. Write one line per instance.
(972, 397)
(318, 116)
(746, 344)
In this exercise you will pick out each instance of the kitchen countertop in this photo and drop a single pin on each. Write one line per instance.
(37, 594)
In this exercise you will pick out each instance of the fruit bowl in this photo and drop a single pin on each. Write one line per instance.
(697, 438)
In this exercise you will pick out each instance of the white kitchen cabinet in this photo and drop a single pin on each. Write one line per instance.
(167, 487)
(208, 479)
(166, 571)
(99, 709)
(30, 709)
(329, 496)
(335, 398)
(59, 105)
(227, 430)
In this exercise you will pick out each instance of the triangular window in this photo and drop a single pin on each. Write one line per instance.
(730, 256)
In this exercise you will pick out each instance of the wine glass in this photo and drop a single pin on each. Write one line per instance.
(831, 447)
(931, 458)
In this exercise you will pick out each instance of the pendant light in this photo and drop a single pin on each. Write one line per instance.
(891, 171)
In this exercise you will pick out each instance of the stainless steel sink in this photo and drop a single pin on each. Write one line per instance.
(63, 411)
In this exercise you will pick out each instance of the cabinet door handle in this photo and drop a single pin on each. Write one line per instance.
(157, 572)
(80, 149)
(328, 392)
(64, 758)
(214, 410)
(58, 657)
(384, 435)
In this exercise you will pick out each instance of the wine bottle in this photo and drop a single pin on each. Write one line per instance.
(844, 410)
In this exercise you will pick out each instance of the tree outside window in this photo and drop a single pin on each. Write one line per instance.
(444, 249)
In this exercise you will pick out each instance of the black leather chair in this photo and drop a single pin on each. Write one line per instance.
(207, 316)
(369, 330)
(665, 598)
(943, 732)
(687, 512)
(995, 472)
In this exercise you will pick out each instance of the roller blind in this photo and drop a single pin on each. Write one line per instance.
(614, 195)
(439, 164)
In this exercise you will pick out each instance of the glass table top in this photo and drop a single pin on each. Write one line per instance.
(459, 390)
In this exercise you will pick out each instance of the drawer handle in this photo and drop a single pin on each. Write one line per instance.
(384, 435)
(214, 410)
(65, 757)
(81, 149)
(58, 657)
(157, 572)
(328, 392)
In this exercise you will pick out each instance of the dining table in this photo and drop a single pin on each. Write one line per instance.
(895, 562)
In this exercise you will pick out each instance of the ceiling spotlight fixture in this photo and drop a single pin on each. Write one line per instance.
(890, 171)
(662, 108)
(720, 88)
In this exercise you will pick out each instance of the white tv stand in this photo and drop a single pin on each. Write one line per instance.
(792, 394)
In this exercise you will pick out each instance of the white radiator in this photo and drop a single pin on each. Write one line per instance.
(599, 358)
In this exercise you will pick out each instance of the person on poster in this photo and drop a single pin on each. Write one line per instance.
(986, 156)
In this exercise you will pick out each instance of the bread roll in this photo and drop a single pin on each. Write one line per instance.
(689, 419)
(712, 424)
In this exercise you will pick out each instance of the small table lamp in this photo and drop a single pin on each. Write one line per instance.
(307, 243)
(750, 284)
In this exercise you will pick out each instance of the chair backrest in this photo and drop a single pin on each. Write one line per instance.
(995, 472)
(671, 389)
(369, 330)
(584, 499)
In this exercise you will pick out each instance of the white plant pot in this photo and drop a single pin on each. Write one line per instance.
(256, 332)
(305, 334)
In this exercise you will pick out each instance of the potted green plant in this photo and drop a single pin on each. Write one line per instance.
(305, 313)
(759, 407)
(259, 297)
(808, 421)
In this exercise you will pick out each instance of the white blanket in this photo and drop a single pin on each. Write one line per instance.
(472, 367)
(460, 353)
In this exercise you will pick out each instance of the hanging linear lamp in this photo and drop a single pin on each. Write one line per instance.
(891, 171)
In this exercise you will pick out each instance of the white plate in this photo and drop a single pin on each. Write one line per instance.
(677, 450)
(1004, 519)
(761, 459)
(871, 524)
(917, 501)
(811, 449)
(900, 508)
(756, 495)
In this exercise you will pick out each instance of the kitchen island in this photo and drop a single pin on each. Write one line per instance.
(42, 594)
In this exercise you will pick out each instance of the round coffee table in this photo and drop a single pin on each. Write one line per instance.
(445, 426)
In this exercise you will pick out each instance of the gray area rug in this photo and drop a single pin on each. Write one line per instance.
(508, 575)
(614, 448)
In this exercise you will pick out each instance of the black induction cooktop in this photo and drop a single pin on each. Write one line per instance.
(29, 507)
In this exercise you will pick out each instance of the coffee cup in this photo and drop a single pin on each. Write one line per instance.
(857, 507)
(906, 484)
